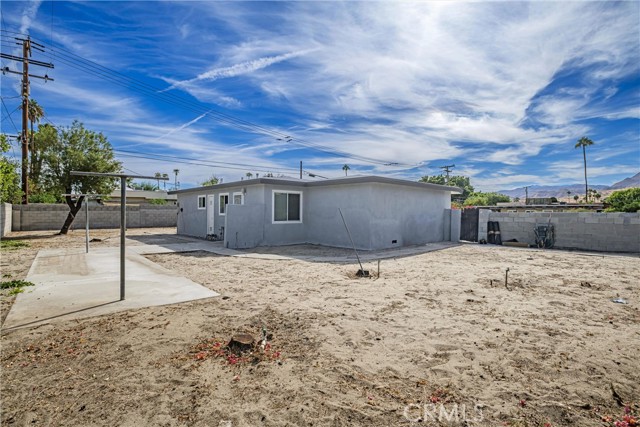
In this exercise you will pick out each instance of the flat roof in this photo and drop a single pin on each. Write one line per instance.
(367, 179)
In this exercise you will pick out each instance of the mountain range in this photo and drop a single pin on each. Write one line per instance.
(561, 191)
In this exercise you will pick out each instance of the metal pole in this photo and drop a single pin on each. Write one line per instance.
(123, 220)
(86, 233)
(350, 238)
(300, 169)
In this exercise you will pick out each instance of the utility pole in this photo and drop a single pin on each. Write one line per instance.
(26, 52)
(175, 181)
(27, 45)
(526, 195)
(300, 169)
(447, 169)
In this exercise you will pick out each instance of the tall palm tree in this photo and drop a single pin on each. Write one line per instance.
(35, 113)
(346, 168)
(158, 175)
(249, 175)
(585, 142)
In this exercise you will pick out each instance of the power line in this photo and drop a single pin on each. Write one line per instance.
(9, 115)
(200, 160)
(149, 157)
(76, 61)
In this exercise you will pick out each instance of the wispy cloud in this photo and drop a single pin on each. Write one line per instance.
(236, 69)
(28, 15)
(181, 127)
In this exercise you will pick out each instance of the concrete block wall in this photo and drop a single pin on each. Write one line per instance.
(6, 218)
(39, 216)
(607, 232)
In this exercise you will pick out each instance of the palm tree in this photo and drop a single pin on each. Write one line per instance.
(249, 175)
(35, 113)
(166, 177)
(584, 142)
(346, 168)
(576, 197)
(158, 175)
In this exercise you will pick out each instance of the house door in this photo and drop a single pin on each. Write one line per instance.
(469, 224)
(211, 214)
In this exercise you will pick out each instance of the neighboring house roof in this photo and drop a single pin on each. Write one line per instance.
(142, 194)
(334, 181)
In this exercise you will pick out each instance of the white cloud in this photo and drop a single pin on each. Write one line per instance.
(28, 15)
(235, 70)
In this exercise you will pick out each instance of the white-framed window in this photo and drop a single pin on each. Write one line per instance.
(223, 201)
(287, 206)
(238, 199)
(202, 202)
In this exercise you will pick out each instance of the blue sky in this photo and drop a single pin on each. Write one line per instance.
(503, 90)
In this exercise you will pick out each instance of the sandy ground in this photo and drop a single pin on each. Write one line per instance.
(436, 337)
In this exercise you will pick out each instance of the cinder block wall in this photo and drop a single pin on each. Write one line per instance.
(5, 218)
(37, 216)
(607, 232)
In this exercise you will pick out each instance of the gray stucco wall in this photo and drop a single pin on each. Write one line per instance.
(379, 215)
(6, 217)
(456, 218)
(609, 232)
(244, 225)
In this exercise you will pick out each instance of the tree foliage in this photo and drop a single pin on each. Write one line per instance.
(627, 200)
(462, 182)
(485, 199)
(10, 191)
(144, 186)
(213, 180)
(74, 148)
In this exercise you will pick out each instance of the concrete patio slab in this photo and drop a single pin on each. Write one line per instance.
(72, 284)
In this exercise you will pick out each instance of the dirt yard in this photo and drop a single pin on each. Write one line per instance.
(437, 339)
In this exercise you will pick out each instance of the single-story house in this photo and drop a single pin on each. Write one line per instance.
(380, 212)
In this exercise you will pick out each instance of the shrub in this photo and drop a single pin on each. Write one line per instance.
(627, 200)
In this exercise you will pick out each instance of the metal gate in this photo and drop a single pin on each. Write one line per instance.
(469, 224)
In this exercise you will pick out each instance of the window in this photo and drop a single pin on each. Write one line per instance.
(238, 199)
(224, 201)
(202, 202)
(287, 206)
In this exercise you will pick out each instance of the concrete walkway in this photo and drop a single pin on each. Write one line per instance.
(71, 284)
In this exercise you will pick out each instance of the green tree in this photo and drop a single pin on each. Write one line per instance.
(10, 191)
(575, 198)
(627, 200)
(249, 175)
(213, 180)
(346, 169)
(459, 181)
(78, 149)
(144, 186)
(585, 142)
(46, 136)
(485, 199)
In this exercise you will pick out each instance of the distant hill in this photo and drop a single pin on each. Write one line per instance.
(630, 182)
(560, 191)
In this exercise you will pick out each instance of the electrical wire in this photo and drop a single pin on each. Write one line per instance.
(9, 115)
(75, 61)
